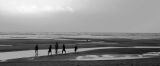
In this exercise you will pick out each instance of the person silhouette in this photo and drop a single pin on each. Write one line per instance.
(75, 48)
(36, 50)
(50, 50)
(63, 49)
(56, 48)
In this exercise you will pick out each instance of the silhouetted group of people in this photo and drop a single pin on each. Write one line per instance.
(56, 49)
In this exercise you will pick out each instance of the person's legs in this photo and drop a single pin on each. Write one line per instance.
(48, 53)
(63, 51)
(56, 52)
(36, 53)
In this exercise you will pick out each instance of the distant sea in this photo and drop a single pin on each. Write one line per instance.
(60, 35)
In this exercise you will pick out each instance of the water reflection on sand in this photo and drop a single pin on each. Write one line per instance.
(109, 57)
(121, 56)
(117, 56)
(30, 53)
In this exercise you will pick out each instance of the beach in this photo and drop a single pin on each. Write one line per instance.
(91, 52)
(79, 33)
(139, 62)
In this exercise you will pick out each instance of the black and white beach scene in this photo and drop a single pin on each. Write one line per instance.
(79, 33)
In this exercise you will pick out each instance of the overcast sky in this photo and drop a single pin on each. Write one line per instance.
(79, 16)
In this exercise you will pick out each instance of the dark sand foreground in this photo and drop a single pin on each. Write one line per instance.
(138, 62)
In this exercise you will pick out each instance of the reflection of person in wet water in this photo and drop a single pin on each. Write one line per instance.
(56, 48)
(50, 50)
(75, 48)
(36, 50)
(63, 49)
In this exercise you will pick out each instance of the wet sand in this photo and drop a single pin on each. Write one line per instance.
(135, 62)
(19, 45)
(61, 60)
(91, 54)
(30, 53)
(28, 44)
